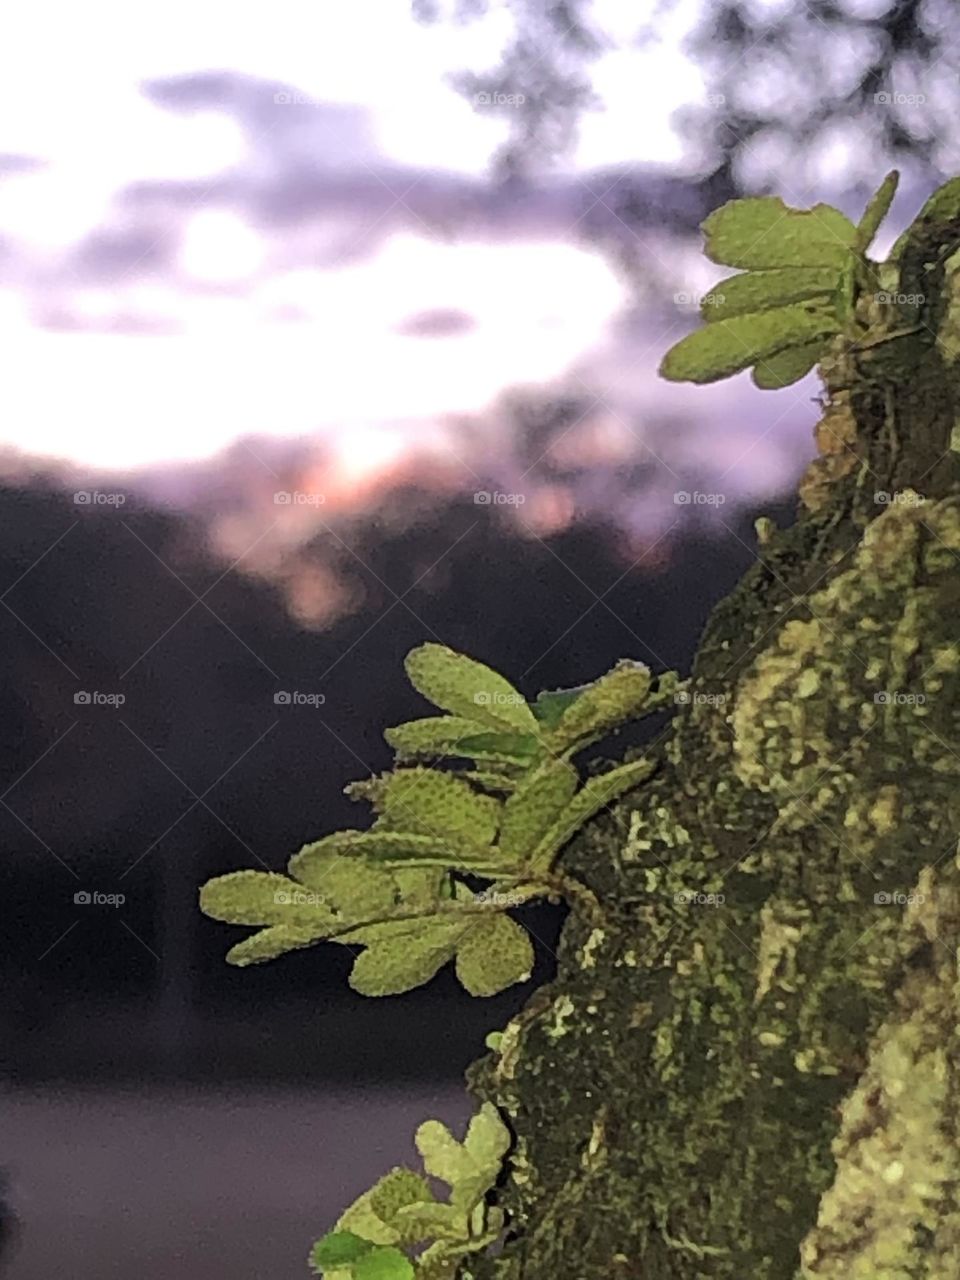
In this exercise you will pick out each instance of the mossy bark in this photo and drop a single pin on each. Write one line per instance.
(748, 1065)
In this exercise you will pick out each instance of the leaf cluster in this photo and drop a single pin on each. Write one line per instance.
(804, 269)
(485, 791)
(399, 1230)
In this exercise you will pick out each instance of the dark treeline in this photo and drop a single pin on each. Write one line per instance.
(103, 798)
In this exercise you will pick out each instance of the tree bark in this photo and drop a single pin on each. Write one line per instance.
(768, 1087)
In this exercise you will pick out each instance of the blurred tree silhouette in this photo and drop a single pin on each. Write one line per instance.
(837, 86)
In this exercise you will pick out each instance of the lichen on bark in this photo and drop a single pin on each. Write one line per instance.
(748, 1065)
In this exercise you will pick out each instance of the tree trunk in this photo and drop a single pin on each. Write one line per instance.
(767, 1087)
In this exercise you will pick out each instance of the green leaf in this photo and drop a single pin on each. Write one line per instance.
(262, 897)
(420, 886)
(399, 958)
(491, 780)
(268, 944)
(433, 737)
(356, 889)
(551, 704)
(595, 794)
(846, 293)
(435, 1221)
(452, 737)
(362, 1219)
(339, 1249)
(488, 1140)
(472, 1167)
(620, 695)
(723, 348)
(437, 1263)
(761, 232)
(501, 748)
(787, 367)
(395, 1189)
(875, 212)
(443, 1156)
(494, 954)
(761, 290)
(467, 688)
(542, 795)
(384, 1264)
(438, 804)
(408, 847)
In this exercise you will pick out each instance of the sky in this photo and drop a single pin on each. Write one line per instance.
(238, 332)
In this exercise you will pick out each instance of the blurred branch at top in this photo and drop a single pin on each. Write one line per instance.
(831, 88)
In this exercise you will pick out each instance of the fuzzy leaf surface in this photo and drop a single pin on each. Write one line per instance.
(761, 290)
(467, 688)
(787, 367)
(432, 803)
(493, 954)
(534, 805)
(262, 897)
(401, 954)
(726, 347)
(615, 698)
(761, 232)
(433, 737)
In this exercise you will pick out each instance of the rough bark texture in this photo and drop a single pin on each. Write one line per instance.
(768, 1088)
